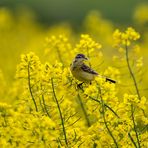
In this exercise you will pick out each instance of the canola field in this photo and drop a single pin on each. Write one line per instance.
(41, 104)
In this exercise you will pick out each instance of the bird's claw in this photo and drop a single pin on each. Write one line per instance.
(79, 86)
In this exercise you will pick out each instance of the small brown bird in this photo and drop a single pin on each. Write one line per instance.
(82, 72)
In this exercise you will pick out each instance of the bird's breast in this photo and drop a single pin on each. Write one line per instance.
(81, 75)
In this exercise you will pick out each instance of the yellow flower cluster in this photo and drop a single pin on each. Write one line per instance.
(97, 26)
(57, 46)
(125, 38)
(23, 129)
(141, 14)
(49, 109)
(90, 48)
(87, 45)
(52, 111)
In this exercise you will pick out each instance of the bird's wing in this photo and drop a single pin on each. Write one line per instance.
(88, 69)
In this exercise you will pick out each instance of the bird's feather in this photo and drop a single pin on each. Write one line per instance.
(88, 69)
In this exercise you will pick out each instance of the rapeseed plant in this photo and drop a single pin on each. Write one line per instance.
(49, 110)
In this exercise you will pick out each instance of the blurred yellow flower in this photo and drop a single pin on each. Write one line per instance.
(125, 38)
(141, 14)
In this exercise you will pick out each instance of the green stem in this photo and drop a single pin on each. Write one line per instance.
(135, 129)
(43, 99)
(30, 90)
(131, 138)
(131, 73)
(44, 103)
(60, 112)
(40, 101)
(59, 56)
(104, 105)
(84, 111)
(5, 122)
(103, 112)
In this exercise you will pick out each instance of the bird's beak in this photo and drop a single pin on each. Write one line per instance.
(86, 58)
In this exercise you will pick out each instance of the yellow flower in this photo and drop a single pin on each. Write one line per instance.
(87, 45)
(141, 14)
(125, 38)
(139, 62)
(142, 103)
(132, 34)
(117, 37)
(91, 90)
(131, 99)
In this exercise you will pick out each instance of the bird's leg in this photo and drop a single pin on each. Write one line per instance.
(80, 85)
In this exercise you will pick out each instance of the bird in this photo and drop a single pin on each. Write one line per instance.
(82, 72)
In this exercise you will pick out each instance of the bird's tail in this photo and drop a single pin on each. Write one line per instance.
(110, 80)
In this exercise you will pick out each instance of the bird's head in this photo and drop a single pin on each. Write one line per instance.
(80, 57)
